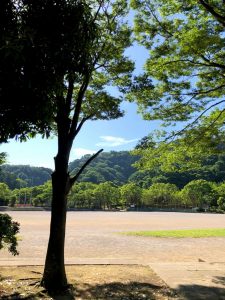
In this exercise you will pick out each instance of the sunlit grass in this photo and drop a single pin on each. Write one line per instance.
(183, 233)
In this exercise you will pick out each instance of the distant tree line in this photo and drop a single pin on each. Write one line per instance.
(199, 194)
(111, 182)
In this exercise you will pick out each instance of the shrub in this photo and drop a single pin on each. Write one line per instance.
(8, 231)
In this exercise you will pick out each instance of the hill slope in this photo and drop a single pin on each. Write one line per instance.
(115, 167)
(27, 175)
(108, 166)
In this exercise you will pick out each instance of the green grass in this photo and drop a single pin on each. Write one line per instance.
(184, 233)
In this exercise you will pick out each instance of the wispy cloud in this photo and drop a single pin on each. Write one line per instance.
(79, 152)
(113, 141)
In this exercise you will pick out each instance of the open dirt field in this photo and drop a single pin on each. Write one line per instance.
(93, 237)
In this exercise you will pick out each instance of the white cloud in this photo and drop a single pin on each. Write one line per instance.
(114, 141)
(79, 152)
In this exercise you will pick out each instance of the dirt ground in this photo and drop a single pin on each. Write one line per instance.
(192, 267)
(92, 237)
(89, 282)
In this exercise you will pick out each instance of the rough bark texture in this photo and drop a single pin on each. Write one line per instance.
(54, 276)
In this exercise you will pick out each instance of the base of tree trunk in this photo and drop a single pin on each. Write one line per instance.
(55, 287)
(54, 279)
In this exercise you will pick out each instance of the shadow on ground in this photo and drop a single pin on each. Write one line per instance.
(200, 292)
(117, 290)
(112, 291)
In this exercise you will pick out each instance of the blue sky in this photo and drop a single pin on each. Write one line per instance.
(117, 135)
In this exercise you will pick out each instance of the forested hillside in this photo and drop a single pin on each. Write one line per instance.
(212, 170)
(16, 176)
(108, 166)
(115, 167)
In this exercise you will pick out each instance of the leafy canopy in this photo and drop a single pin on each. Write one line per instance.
(185, 40)
(187, 152)
(53, 69)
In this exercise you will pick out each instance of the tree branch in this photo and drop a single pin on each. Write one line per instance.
(69, 95)
(98, 10)
(160, 23)
(77, 111)
(219, 18)
(212, 64)
(82, 123)
(180, 132)
(74, 178)
(206, 129)
(196, 63)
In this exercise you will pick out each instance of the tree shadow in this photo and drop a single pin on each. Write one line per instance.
(124, 291)
(111, 291)
(219, 280)
(200, 292)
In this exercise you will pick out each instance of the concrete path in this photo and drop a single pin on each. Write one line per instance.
(194, 267)
(194, 281)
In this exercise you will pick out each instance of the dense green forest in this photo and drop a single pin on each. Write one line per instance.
(111, 181)
(108, 166)
(16, 176)
(116, 167)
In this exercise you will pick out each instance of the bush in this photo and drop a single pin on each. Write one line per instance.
(216, 210)
(8, 231)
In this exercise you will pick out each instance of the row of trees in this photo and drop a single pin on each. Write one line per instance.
(199, 193)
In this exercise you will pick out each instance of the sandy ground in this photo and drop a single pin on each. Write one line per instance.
(93, 236)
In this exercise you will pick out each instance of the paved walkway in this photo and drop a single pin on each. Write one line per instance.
(194, 281)
(195, 267)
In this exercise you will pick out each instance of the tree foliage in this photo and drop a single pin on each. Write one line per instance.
(28, 175)
(160, 194)
(116, 167)
(199, 193)
(190, 151)
(185, 40)
(131, 194)
(8, 231)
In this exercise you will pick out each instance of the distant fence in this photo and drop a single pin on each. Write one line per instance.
(23, 208)
(23, 205)
(166, 209)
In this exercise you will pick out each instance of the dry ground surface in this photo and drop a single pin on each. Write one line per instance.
(187, 265)
(93, 236)
(89, 282)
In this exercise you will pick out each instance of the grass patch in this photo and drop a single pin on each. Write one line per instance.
(183, 233)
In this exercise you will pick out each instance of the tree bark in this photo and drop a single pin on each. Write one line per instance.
(54, 277)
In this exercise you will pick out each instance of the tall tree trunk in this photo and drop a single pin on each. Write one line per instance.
(54, 277)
